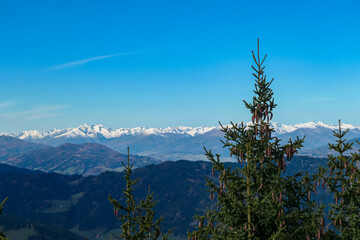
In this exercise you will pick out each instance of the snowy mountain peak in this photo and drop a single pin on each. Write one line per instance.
(283, 128)
(99, 131)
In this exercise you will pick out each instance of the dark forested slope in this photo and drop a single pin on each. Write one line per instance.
(81, 203)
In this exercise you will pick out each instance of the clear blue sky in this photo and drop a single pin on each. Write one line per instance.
(169, 63)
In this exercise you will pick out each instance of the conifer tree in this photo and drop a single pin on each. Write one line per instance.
(2, 235)
(342, 179)
(257, 200)
(137, 218)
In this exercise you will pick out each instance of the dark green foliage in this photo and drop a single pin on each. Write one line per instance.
(342, 178)
(44, 232)
(257, 200)
(41, 231)
(178, 187)
(137, 219)
(2, 235)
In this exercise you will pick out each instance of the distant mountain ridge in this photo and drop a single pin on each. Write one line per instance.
(180, 142)
(11, 146)
(84, 159)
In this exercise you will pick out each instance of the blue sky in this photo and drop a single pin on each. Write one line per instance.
(169, 63)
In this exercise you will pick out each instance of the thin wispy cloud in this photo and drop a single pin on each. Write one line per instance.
(36, 113)
(84, 61)
(42, 115)
(5, 104)
(320, 99)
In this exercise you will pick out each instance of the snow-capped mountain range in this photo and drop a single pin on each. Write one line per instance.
(177, 142)
(96, 131)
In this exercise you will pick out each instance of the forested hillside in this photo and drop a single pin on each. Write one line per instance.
(76, 203)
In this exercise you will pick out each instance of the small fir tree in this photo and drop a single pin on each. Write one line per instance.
(342, 178)
(2, 235)
(257, 200)
(137, 218)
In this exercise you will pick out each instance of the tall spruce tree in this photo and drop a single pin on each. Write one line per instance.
(2, 235)
(342, 179)
(137, 218)
(257, 200)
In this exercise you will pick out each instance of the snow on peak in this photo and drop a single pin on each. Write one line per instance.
(99, 131)
(283, 128)
(96, 131)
